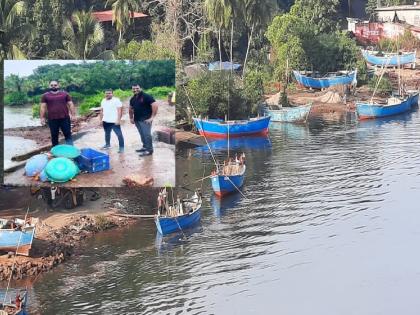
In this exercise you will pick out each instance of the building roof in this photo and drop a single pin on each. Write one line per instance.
(106, 16)
(399, 8)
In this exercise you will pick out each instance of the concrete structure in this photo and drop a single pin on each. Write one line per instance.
(368, 33)
(409, 14)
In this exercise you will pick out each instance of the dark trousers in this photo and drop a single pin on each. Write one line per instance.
(145, 130)
(65, 126)
(108, 127)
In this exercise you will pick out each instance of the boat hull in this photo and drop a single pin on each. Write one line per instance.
(372, 111)
(391, 61)
(223, 185)
(167, 225)
(216, 129)
(290, 114)
(323, 83)
(9, 240)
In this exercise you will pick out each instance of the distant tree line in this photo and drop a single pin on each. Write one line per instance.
(89, 78)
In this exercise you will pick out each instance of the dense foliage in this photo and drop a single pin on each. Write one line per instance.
(218, 95)
(87, 78)
(384, 86)
(296, 46)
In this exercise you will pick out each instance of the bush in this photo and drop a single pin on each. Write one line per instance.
(160, 92)
(212, 94)
(145, 50)
(384, 87)
(16, 98)
(90, 102)
(35, 110)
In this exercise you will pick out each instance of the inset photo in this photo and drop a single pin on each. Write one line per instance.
(77, 123)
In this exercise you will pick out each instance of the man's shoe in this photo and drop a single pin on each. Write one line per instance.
(121, 150)
(105, 147)
(141, 150)
(146, 153)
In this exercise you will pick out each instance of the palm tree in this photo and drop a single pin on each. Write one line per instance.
(219, 13)
(14, 83)
(257, 14)
(82, 35)
(122, 13)
(11, 23)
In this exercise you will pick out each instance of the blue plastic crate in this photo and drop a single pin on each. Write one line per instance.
(93, 161)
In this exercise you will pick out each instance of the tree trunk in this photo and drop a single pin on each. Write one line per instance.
(231, 47)
(120, 36)
(247, 50)
(220, 49)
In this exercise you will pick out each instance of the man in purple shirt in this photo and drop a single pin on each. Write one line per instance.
(58, 107)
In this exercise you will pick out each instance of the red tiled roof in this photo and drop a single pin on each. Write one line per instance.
(106, 16)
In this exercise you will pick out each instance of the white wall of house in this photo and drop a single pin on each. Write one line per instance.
(408, 14)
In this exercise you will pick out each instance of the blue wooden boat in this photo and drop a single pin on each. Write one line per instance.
(414, 98)
(14, 302)
(182, 216)
(17, 235)
(326, 82)
(391, 60)
(295, 114)
(394, 106)
(228, 179)
(214, 128)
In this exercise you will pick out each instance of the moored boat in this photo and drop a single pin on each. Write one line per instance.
(394, 106)
(294, 114)
(17, 235)
(214, 128)
(346, 78)
(183, 214)
(228, 178)
(390, 60)
(13, 303)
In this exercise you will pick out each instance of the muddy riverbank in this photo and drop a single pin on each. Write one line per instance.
(60, 234)
(53, 245)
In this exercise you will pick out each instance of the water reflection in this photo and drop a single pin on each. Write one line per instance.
(327, 206)
(222, 205)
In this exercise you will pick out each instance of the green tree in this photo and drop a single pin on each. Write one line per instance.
(317, 14)
(257, 14)
(370, 8)
(145, 50)
(287, 34)
(122, 13)
(82, 36)
(11, 25)
(219, 13)
(14, 83)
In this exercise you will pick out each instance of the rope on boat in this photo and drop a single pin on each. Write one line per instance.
(380, 78)
(237, 188)
(14, 259)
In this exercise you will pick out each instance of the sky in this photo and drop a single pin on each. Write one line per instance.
(24, 68)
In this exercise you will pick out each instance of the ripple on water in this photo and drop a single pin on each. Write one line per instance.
(328, 206)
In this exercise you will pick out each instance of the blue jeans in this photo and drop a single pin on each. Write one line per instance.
(108, 127)
(145, 130)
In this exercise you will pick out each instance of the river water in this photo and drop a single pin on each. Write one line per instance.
(328, 225)
(19, 116)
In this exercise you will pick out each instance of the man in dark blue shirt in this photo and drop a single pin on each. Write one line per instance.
(143, 109)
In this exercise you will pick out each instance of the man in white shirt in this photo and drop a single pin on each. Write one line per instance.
(110, 116)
